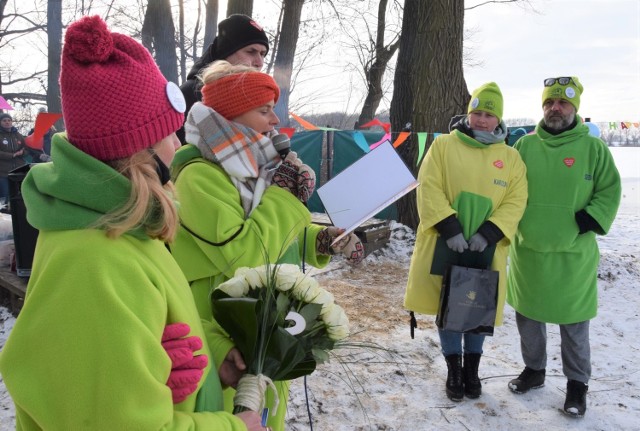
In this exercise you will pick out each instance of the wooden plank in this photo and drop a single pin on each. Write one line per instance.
(10, 281)
(12, 290)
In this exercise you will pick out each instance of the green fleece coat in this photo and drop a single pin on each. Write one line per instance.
(482, 182)
(85, 351)
(553, 268)
(210, 208)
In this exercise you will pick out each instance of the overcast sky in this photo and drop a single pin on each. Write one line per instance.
(596, 40)
(515, 46)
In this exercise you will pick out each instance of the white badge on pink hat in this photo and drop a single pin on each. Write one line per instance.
(176, 98)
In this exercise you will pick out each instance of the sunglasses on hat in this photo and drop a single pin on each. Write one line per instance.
(564, 80)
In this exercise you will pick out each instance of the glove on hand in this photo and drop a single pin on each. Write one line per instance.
(457, 243)
(306, 183)
(186, 369)
(286, 174)
(324, 239)
(350, 246)
(477, 242)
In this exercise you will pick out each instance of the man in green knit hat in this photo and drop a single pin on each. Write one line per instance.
(574, 193)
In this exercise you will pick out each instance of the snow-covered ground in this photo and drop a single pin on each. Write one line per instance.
(400, 385)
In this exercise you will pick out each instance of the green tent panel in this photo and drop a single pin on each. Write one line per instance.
(330, 152)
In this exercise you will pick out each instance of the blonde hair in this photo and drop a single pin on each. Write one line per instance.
(150, 205)
(221, 68)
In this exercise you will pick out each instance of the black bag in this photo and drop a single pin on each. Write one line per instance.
(468, 300)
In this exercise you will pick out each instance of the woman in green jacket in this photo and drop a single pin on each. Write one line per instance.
(472, 193)
(238, 203)
(87, 351)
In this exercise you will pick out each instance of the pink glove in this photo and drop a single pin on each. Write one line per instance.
(186, 369)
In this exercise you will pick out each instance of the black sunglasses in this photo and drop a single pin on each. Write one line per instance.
(564, 80)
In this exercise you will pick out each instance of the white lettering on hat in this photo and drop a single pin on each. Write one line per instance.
(570, 92)
(176, 98)
(474, 103)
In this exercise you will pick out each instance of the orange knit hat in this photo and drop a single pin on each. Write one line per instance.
(233, 95)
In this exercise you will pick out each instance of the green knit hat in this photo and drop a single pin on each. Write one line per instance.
(570, 91)
(487, 98)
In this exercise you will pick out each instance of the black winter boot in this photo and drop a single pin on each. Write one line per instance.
(455, 388)
(528, 379)
(575, 404)
(472, 384)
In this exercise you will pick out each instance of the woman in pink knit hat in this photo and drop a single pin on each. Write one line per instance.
(106, 301)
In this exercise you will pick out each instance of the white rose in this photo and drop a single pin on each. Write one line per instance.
(337, 322)
(338, 333)
(236, 287)
(256, 277)
(306, 290)
(287, 277)
(324, 298)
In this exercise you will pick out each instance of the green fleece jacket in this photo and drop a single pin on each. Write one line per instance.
(553, 269)
(475, 182)
(215, 239)
(85, 351)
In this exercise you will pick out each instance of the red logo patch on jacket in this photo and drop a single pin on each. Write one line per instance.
(569, 161)
(498, 164)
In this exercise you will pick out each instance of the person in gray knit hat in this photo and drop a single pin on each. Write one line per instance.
(240, 40)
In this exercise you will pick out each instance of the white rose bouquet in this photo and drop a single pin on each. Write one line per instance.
(283, 323)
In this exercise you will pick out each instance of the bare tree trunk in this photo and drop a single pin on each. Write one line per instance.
(283, 66)
(210, 24)
(428, 91)
(240, 6)
(377, 67)
(158, 36)
(54, 50)
(181, 47)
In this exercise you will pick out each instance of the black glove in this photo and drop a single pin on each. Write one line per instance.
(586, 223)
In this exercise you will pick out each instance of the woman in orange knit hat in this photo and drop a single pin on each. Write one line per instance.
(238, 199)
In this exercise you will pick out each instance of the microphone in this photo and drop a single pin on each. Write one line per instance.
(282, 144)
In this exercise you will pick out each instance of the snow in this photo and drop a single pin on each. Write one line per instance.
(400, 384)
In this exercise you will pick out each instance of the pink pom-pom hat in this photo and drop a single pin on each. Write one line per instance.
(115, 101)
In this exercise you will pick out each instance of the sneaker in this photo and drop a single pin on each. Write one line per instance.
(528, 379)
(576, 402)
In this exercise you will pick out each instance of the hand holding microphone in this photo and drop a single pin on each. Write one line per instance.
(292, 174)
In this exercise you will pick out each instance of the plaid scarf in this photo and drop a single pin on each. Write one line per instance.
(247, 156)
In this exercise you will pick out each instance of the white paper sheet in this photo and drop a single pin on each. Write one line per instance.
(366, 187)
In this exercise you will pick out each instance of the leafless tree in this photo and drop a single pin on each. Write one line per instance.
(158, 37)
(210, 23)
(181, 41)
(13, 27)
(286, 50)
(244, 7)
(374, 55)
(427, 92)
(54, 51)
